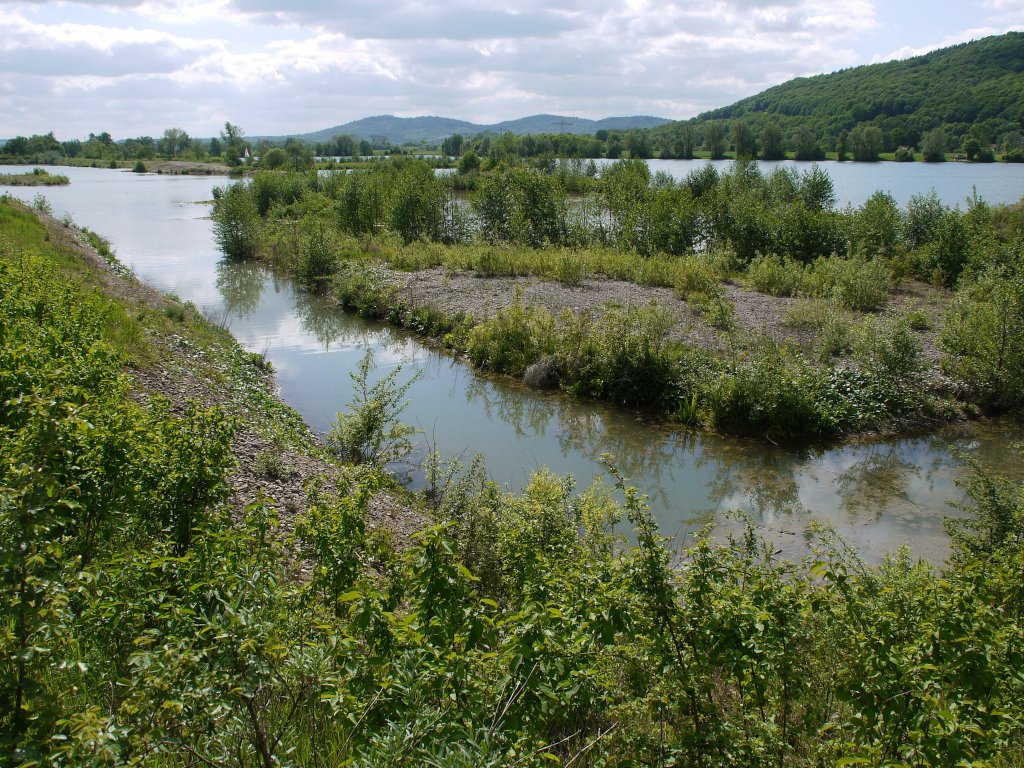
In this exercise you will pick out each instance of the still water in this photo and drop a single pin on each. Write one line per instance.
(954, 183)
(878, 494)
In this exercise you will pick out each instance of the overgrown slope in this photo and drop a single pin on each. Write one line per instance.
(980, 82)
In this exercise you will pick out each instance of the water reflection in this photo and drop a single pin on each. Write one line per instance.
(240, 285)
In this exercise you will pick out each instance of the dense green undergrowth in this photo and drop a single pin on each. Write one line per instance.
(778, 233)
(140, 624)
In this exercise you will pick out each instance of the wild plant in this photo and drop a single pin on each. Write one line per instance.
(369, 431)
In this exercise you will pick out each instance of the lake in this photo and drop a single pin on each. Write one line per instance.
(879, 494)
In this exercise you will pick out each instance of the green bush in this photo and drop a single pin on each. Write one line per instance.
(236, 222)
(856, 283)
(774, 393)
(318, 259)
(369, 431)
(623, 357)
(983, 338)
(515, 338)
(775, 275)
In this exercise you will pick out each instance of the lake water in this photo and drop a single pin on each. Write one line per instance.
(878, 494)
(954, 183)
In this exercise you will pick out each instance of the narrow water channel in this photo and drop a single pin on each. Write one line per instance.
(879, 494)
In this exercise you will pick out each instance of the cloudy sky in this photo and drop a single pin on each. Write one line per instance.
(136, 67)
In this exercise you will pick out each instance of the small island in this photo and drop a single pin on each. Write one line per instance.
(37, 177)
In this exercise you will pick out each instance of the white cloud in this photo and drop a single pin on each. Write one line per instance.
(137, 66)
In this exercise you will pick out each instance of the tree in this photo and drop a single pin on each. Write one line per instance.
(233, 139)
(236, 222)
(743, 140)
(866, 142)
(452, 146)
(806, 142)
(639, 145)
(174, 140)
(714, 139)
(300, 154)
(343, 146)
(370, 432)
(469, 162)
(365, 149)
(685, 142)
(771, 142)
(841, 146)
(933, 146)
(274, 158)
(971, 147)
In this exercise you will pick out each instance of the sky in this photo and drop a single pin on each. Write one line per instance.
(273, 67)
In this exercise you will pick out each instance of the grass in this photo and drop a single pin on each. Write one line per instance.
(37, 177)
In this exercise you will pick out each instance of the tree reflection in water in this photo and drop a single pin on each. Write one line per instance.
(240, 284)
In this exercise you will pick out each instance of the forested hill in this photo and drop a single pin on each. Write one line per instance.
(980, 83)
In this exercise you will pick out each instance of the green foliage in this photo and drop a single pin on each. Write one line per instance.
(522, 206)
(855, 283)
(236, 222)
(877, 226)
(866, 142)
(984, 337)
(951, 89)
(774, 275)
(516, 337)
(904, 155)
(88, 472)
(519, 630)
(775, 393)
(41, 205)
(318, 259)
(944, 256)
(922, 219)
(933, 146)
(369, 432)
(624, 357)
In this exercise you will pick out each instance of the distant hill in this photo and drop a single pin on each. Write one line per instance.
(981, 82)
(400, 130)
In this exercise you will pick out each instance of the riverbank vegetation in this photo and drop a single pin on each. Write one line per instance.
(38, 177)
(144, 621)
(850, 350)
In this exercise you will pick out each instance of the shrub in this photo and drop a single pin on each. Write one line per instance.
(42, 205)
(624, 357)
(236, 222)
(904, 155)
(775, 275)
(318, 259)
(516, 337)
(857, 283)
(773, 393)
(877, 226)
(922, 219)
(983, 338)
(890, 352)
(943, 258)
(369, 431)
(693, 276)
